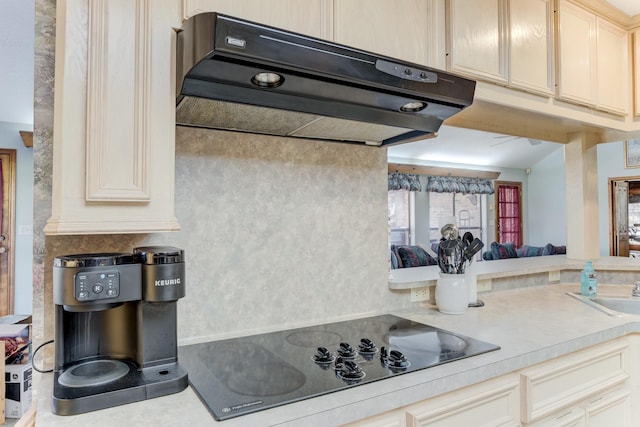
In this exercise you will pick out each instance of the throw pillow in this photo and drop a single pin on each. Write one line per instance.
(527, 251)
(394, 259)
(413, 256)
(503, 250)
(559, 250)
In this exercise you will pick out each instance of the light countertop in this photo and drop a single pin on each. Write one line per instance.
(531, 325)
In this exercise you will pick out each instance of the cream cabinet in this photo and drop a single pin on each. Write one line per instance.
(593, 60)
(610, 409)
(478, 38)
(588, 388)
(412, 30)
(585, 388)
(503, 41)
(636, 71)
(531, 38)
(491, 403)
(113, 141)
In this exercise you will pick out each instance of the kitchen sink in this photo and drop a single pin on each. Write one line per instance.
(612, 305)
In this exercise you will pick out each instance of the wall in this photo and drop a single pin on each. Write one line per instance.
(278, 231)
(23, 251)
(546, 210)
(548, 214)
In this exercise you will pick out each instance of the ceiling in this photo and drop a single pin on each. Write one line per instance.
(630, 7)
(472, 147)
(452, 145)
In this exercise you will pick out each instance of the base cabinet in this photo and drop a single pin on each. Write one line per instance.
(491, 403)
(589, 388)
(609, 409)
(551, 389)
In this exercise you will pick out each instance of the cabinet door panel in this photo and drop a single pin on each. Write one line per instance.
(495, 406)
(565, 382)
(636, 70)
(477, 38)
(118, 92)
(576, 54)
(613, 67)
(570, 418)
(397, 29)
(114, 137)
(531, 45)
(613, 409)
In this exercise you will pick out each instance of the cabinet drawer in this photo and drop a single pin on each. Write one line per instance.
(559, 384)
(570, 418)
(496, 405)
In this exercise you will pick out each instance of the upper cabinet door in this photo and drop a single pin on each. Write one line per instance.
(636, 70)
(477, 37)
(613, 72)
(531, 38)
(593, 57)
(310, 17)
(576, 53)
(412, 30)
(113, 142)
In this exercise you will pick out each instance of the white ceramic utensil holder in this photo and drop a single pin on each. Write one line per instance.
(452, 296)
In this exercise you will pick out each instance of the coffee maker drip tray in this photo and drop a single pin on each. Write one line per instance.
(93, 373)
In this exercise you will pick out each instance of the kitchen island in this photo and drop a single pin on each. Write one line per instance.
(531, 325)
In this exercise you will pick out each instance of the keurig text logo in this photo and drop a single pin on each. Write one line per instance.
(167, 282)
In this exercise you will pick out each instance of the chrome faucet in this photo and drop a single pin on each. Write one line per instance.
(636, 290)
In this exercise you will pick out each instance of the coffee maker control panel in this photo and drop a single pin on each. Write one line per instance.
(97, 285)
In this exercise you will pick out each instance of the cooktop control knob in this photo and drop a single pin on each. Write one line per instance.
(323, 356)
(367, 348)
(346, 351)
(394, 359)
(349, 371)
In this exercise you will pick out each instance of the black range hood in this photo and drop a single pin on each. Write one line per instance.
(238, 75)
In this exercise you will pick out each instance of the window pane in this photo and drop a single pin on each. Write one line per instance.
(440, 207)
(467, 208)
(398, 203)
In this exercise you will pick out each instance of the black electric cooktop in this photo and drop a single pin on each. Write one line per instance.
(237, 376)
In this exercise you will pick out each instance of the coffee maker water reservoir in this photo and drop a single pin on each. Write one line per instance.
(116, 328)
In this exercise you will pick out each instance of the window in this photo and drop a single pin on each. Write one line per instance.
(399, 217)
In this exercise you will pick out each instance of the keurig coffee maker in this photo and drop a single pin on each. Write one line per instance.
(116, 328)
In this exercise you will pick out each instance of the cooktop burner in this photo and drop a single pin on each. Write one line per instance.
(237, 376)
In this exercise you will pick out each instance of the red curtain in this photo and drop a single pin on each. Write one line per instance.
(509, 215)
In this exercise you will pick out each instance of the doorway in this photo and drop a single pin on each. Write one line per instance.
(624, 216)
(7, 229)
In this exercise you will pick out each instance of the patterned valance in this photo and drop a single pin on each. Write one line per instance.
(453, 184)
(403, 181)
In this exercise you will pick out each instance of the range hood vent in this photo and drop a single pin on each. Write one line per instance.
(242, 76)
